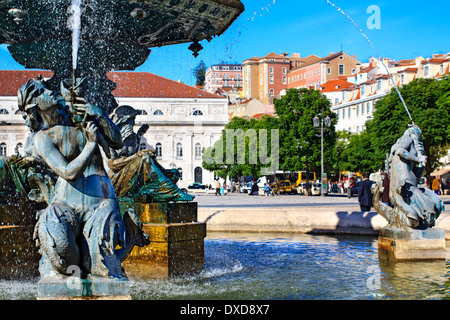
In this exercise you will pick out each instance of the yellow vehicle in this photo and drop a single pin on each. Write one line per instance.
(287, 187)
(302, 177)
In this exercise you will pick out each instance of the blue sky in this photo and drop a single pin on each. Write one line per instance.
(409, 28)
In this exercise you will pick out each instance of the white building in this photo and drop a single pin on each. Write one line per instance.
(183, 120)
(353, 98)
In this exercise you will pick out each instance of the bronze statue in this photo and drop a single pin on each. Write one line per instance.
(82, 225)
(412, 207)
(137, 174)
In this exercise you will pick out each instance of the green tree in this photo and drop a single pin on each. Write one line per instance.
(300, 148)
(240, 148)
(200, 73)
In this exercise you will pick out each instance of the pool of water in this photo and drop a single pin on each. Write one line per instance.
(287, 267)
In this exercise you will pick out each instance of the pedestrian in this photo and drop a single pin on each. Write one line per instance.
(385, 195)
(365, 194)
(217, 187)
(255, 189)
(436, 184)
(266, 190)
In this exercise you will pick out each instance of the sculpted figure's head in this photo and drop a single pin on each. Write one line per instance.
(34, 97)
(415, 133)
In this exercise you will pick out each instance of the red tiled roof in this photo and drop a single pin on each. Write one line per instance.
(330, 86)
(149, 85)
(434, 61)
(12, 80)
(129, 84)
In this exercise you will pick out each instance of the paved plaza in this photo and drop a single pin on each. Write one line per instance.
(239, 200)
(335, 213)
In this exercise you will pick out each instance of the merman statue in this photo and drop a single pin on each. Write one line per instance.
(412, 207)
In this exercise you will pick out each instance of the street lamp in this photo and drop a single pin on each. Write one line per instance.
(319, 122)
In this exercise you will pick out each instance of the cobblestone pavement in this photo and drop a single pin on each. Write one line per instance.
(240, 200)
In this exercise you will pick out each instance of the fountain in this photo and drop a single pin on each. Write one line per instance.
(413, 211)
(84, 228)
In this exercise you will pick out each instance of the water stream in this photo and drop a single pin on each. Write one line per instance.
(377, 54)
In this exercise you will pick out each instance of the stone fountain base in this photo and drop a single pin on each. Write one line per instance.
(72, 288)
(411, 245)
(176, 240)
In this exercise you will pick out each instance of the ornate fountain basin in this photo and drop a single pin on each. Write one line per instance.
(115, 34)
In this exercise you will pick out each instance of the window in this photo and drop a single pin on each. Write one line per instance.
(158, 113)
(341, 57)
(271, 79)
(336, 101)
(363, 107)
(349, 112)
(142, 146)
(284, 80)
(341, 69)
(179, 151)
(4, 111)
(338, 114)
(357, 110)
(329, 70)
(343, 113)
(158, 151)
(363, 91)
(198, 151)
(426, 71)
(379, 85)
(368, 107)
(197, 113)
(271, 93)
(3, 149)
(284, 70)
(271, 70)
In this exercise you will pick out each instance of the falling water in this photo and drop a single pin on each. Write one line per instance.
(75, 11)
(376, 52)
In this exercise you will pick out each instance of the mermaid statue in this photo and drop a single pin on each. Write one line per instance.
(82, 225)
(411, 207)
(137, 174)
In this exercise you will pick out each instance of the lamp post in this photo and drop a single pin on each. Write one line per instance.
(319, 122)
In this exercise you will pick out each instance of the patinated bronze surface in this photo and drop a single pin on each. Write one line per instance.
(82, 225)
(412, 207)
(137, 174)
(114, 35)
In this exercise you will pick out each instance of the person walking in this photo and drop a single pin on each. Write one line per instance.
(365, 194)
(217, 187)
(385, 195)
(436, 184)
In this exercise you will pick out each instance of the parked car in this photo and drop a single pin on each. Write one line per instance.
(246, 188)
(287, 187)
(302, 187)
(314, 188)
(353, 190)
(196, 185)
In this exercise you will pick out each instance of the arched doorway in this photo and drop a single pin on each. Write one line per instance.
(198, 175)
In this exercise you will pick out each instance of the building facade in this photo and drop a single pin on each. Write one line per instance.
(320, 70)
(226, 76)
(265, 78)
(183, 120)
(353, 98)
